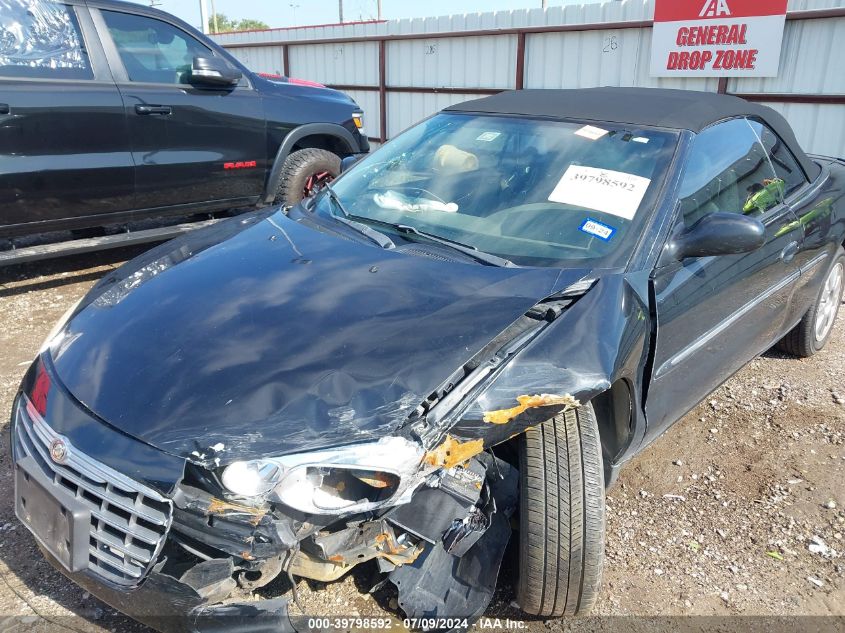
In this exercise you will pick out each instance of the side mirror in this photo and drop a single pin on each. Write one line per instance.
(347, 163)
(213, 71)
(719, 234)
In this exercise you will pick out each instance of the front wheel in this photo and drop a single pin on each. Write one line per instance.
(561, 522)
(813, 332)
(304, 173)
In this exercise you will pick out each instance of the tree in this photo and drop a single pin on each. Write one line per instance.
(224, 23)
(219, 22)
(248, 24)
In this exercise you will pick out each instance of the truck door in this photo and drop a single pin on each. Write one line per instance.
(191, 144)
(64, 146)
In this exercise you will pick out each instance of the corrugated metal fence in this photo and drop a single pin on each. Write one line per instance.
(403, 70)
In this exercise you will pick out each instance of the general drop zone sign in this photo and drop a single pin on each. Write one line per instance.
(717, 38)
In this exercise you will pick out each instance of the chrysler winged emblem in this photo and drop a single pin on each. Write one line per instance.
(58, 451)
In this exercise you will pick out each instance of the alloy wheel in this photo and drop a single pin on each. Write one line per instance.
(829, 302)
(316, 182)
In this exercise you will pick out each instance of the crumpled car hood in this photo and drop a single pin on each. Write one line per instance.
(276, 338)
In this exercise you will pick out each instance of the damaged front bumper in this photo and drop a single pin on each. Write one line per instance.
(168, 604)
(184, 559)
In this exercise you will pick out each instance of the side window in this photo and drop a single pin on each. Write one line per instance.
(151, 50)
(727, 171)
(788, 171)
(41, 40)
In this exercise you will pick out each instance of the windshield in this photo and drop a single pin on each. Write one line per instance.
(535, 192)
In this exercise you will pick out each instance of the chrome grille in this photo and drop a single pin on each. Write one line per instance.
(129, 521)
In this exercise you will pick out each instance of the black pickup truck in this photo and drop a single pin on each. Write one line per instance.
(112, 112)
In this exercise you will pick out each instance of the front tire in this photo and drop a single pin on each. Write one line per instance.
(813, 331)
(562, 520)
(304, 173)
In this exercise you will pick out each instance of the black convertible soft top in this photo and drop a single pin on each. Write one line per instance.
(659, 107)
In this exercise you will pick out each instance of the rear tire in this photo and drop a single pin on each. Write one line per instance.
(813, 331)
(562, 521)
(303, 172)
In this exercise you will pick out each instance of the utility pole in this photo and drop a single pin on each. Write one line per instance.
(214, 17)
(340, 11)
(545, 4)
(378, 9)
(204, 16)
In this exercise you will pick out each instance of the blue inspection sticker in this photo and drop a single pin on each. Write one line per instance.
(597, 229)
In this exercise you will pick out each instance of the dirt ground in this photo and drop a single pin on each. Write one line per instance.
(738, 510)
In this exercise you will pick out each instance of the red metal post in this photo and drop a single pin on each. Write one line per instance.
(815, 98)
(519, 83)
(382, 89)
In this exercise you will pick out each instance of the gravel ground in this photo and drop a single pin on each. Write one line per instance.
(739, 509)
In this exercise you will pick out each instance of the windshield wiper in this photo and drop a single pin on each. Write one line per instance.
(472, 251)
(379, 238)
(385, 242)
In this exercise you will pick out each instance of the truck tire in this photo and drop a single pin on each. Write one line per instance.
(562, 521)
(813, 331)
(304, 172)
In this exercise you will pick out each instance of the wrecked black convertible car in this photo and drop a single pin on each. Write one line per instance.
(467, 334)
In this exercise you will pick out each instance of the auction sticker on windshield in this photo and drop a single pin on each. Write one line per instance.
(605, 190)
(597, 229)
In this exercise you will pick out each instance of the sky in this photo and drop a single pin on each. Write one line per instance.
(279, 13)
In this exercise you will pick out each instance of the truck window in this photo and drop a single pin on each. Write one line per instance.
(42, 40)
(153, 51)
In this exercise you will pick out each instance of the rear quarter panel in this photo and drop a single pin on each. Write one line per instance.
(821, 213)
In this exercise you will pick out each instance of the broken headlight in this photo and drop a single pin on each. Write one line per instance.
(334, 481)
(252, 478)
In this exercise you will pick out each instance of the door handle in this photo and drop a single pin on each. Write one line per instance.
(153, 109)
(789, 251)
(4, 108)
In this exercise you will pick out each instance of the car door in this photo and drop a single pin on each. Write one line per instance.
(191, 143)
(814, 210)
(714, 314)
(64, 146)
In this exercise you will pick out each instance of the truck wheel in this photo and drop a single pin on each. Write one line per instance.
(561, 522)
(812, 333)
(304, 173)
